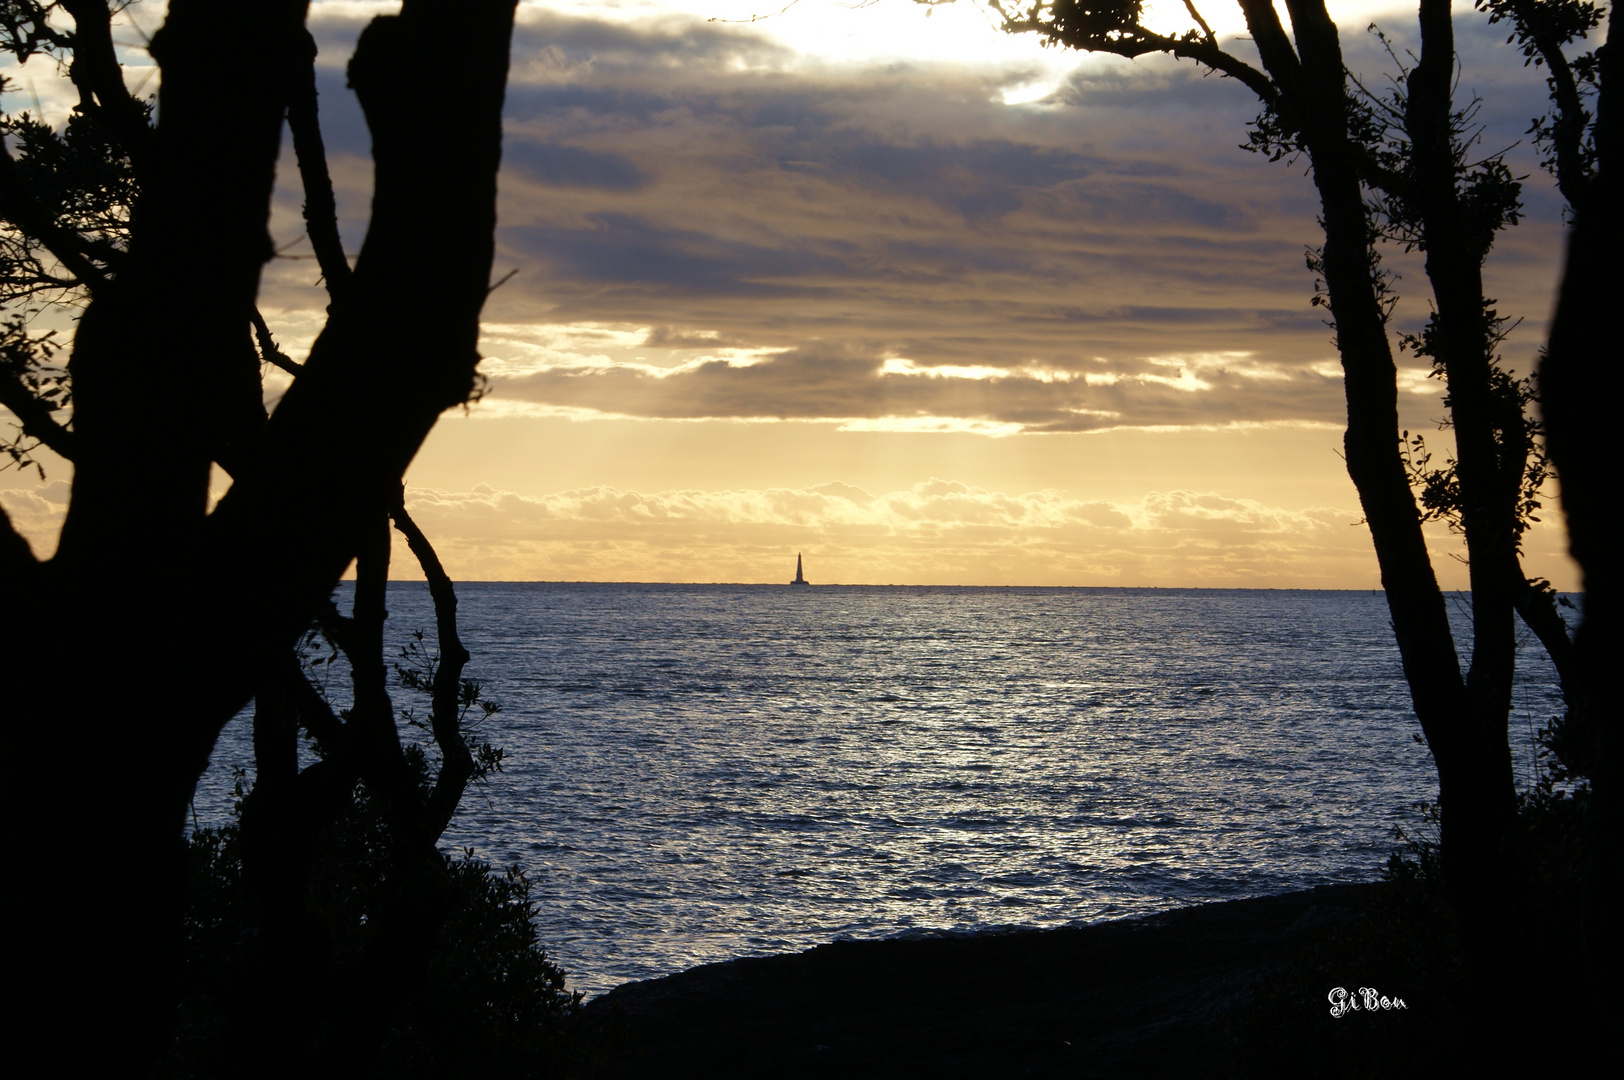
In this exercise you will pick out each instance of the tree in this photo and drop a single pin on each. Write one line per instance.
(159, 619)
(1396, 167)
(1580, 395)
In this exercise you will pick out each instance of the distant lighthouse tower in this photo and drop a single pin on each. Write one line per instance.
(799, 580)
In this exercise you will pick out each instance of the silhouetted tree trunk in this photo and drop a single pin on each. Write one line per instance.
(156, 620)
(1309, 108)
(1581, 400)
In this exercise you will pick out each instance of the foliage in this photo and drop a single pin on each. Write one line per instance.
(1519, 440)
(27, 359)
(492, 1004)
(146, 228)
(82, 182)
(1541, 29)
(417, 668)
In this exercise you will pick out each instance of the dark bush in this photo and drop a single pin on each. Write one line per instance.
(492, 1005)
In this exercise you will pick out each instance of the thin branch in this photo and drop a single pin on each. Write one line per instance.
(18, 205)
(267, 346)
(337, 626)
(36, 419)
(320, 205)
(1571, 179)
(1208, 53)
(316, 715)
(28, 31)
(1535, 601)
(367, 618)
(26, 288)
(95, 70)
(1211, 38)
(1130, 40)
(457, 764)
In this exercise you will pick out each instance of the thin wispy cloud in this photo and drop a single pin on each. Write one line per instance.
(974, 535)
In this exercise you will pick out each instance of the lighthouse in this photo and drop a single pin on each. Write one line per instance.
(799, 580)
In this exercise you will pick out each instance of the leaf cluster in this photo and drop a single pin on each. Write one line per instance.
(26, 30)
(1541, 29)
(1111, 26)
(1519, 437)
(416, 668)
(1488, 196)
(27, 359)
(1567, 745)
(82, 184)
(68, 199)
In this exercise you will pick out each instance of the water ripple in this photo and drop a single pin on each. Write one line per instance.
(701, 772)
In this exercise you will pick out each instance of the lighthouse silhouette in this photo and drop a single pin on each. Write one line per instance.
(799, 580)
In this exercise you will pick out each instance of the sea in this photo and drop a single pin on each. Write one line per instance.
(695, 773)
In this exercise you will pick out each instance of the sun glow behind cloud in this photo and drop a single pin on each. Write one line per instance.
(907, 233)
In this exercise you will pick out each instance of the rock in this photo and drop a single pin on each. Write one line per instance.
(1133, 997)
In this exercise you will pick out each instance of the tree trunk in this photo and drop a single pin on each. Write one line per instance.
(160, 619)
(1580, 394)
(1464, 721)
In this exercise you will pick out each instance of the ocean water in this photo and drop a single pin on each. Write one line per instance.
(696, 773)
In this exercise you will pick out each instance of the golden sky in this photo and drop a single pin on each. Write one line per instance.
(919, 299)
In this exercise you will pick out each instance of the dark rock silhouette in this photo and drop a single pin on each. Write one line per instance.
(1128, 998)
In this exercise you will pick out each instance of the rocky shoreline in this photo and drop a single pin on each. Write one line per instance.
(1151, 996)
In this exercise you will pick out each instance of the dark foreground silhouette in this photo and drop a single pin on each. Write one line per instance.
(1167, 995)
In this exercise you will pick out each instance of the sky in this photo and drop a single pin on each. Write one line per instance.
(885, 286)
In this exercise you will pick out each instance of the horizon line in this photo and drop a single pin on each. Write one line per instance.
(907, 585)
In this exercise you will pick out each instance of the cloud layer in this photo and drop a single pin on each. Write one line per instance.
(935, 532)
(872, 233)
(709, 223)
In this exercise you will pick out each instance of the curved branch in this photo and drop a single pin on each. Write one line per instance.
(267, 346)
(337, 626)
(375, 383)
(1208, 53)
(1129, 39)
(1535, 601)
(1536, 34)
(320, 205)
(316, 715)
(457, 764)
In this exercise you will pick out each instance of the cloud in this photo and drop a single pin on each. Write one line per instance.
(844, 383)
(566, 166)
(935, 531)
(721, 192)
(37, 513)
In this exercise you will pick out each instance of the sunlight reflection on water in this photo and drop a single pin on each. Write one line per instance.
(696, 773)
